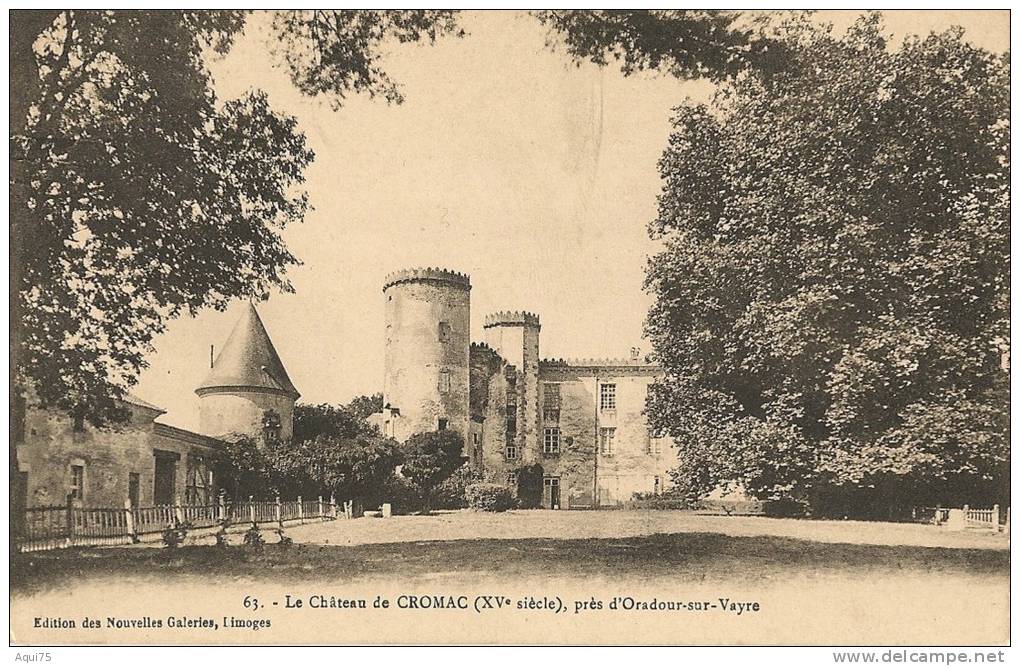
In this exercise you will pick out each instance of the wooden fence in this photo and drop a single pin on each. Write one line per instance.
(52, 527)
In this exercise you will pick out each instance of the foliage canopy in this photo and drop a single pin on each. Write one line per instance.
(832, 300)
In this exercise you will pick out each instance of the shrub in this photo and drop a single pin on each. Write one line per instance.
(785, 508)
(668, 501)
(285, 541)
(402, 495)
(253, 539)
(429, 459)
(452, 493)
(489, 497)
(175, 534)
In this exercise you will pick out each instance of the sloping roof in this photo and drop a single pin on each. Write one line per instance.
(135, 400)
(189, 436)
(249, 360)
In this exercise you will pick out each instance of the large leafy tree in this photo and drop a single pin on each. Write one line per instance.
(333, 421)
(137, 195)
(334, 451)
(832, 299)
(685, 43)
(350, 468)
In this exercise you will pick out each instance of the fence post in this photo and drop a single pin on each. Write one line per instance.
(129, 514)
(251, 509)
(279, 510)
(1006, 529)
(70, 519)
(321, 515)
(300, 509)
(995, 517)
(222, 505)
(178, 511)
(332, 506)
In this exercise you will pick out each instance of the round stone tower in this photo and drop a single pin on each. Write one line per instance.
(428, 342)
(247, 392)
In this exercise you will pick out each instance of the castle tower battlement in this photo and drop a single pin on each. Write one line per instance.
(512, 318)
(438, 275)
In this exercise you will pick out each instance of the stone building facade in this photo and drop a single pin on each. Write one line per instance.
(581, 424)
(139, 460)
(146, 462)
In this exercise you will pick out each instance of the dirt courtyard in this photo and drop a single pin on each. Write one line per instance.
(456, 525)
(814, 581)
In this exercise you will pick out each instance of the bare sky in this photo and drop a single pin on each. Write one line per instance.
(506, 161)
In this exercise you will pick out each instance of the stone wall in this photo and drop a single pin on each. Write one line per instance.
(636, 459)
(108, 455)
(230, 412)
(515, 337)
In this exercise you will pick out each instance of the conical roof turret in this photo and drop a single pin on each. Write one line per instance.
(248, 360)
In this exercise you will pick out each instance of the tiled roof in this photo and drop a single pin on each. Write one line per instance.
(249, 360)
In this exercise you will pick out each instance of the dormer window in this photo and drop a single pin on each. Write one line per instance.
(271, 427)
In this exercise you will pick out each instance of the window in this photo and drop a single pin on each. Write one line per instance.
(271, 427)
(551, 403)
(443, 423)
(444, 331)
(607, 439)
(607, 396)
(511, 452)
(657, 485)
(654, 446)
(444, 381)
(78, 482)
(551, 441)
(511, 480)
(511, 389)
(551, 396)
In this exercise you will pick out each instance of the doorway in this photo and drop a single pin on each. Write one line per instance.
(163, 486)
(133, 483)
(551, 492)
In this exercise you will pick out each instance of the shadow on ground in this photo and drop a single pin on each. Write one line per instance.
(684, 557)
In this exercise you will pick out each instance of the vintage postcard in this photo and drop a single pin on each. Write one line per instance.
(551, 327)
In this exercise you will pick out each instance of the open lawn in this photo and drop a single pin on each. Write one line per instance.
(901, 581)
